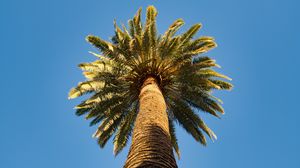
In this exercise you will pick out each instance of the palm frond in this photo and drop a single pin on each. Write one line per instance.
(108, 127)
(173, 137)
(137, 23)
(105, 47)
(151, 26)
(195, 118)
(85, 87)
(179, 110)
(222, 84)
(112, 121)
(187, 36)
(172, 30)
(125, 129)
(105, 106)
(202, 101)
(206, 73)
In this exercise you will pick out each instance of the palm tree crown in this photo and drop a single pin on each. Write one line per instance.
(185, 79)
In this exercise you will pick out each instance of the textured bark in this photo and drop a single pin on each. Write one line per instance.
(151, 144)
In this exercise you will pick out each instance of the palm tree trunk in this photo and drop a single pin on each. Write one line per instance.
(151, 144)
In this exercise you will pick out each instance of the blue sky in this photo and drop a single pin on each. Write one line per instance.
(42, 41)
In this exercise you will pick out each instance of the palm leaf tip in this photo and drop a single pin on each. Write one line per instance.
(74, 93)
(214, 136)
(91, 38)
(151, 11)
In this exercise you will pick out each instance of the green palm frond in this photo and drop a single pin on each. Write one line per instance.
(85, 87)
(180, 110)
(187, 36)
(150, 27)
(202, 101)
(222, 84)
(185, 77)
(173, 137)
(105, 47)
(125, 129)
(137, 23)
(189, 112)
(112, 120)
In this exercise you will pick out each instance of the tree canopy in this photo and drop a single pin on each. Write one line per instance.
(185, 77)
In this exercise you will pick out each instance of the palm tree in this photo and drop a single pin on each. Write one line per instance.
(143, 83)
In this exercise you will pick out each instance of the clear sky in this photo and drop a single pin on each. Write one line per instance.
(42, 41)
